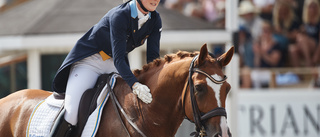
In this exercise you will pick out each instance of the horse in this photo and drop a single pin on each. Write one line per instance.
(183, 85)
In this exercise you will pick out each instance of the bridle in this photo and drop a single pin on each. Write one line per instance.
(199, 117)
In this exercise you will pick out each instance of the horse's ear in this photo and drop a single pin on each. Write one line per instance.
(202, 56)
(225, 58)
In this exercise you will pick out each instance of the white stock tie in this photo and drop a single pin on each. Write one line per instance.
(142, 20)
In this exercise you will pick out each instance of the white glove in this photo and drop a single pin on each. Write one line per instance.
(142, 91)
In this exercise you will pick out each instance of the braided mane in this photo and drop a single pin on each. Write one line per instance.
(167, 59)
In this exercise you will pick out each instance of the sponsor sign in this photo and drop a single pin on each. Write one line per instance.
(279, 114)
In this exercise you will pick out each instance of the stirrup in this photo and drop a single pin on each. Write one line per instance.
(61, 127)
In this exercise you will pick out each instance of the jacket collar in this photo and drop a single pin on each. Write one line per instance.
(134, 10)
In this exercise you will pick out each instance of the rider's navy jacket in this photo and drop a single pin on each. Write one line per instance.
(116, 34)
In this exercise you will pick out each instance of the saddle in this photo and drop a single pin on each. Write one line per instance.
(88, 102)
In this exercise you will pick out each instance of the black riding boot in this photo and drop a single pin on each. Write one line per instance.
(61, 127)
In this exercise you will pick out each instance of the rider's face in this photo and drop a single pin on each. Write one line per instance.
(150, 5)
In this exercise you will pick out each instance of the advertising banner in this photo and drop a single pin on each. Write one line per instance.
(279, 114)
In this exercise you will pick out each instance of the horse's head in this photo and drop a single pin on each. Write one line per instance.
(205, 94)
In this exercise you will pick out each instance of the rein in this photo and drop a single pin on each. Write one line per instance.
(200, 117)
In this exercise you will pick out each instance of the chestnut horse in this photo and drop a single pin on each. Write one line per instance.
(199, 97)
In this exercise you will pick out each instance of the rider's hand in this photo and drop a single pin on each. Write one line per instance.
(142, 91)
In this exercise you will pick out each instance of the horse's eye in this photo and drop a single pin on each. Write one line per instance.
(200, 88)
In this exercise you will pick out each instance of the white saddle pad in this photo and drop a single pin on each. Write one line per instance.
(43, 115)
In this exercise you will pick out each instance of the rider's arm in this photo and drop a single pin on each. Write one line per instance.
(153, 43)
(119, 23)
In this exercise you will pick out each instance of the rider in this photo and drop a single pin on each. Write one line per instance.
(104, 49)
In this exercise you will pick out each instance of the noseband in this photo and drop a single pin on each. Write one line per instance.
(199, 117)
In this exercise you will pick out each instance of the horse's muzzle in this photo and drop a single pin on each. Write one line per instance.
(214, 130)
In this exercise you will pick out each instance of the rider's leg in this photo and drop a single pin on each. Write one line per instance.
(80, 79)
(83, 75)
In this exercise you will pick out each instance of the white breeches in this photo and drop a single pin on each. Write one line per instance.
(83, 75)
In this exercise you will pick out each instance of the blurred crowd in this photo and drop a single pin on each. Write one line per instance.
(272, 34)
(210, 10)
(278, 33)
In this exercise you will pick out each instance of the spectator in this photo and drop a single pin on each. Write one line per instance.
(213, 9)
(246, 56)
(249, 19)
(267, 54)
(193, 9)
(250, 25)
(286, 25)
(265, 8)
(267, 51)
(297, 6)
(176, 4)
(209, 10)
(245, 48)
(284, 21)
(307, 45)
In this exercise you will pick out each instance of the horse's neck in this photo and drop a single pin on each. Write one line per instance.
(166, 83)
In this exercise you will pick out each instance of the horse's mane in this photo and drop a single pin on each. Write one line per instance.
(167, 59)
